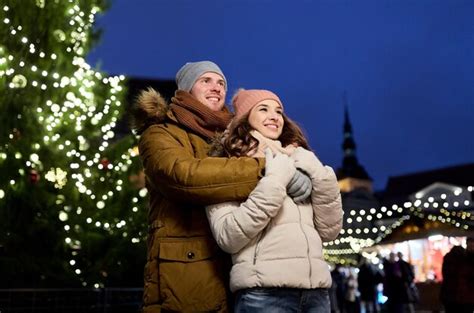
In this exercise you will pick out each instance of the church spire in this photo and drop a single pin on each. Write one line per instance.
(348, 144)
(351, 169)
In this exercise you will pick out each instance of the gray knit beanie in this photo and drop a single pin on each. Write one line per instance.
(191, 71)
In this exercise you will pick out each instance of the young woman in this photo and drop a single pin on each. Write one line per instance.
(276, 243)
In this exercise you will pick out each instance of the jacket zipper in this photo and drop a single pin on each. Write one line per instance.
(307, 246)
(260, 236)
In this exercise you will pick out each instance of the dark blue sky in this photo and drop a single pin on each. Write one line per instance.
(407, 67)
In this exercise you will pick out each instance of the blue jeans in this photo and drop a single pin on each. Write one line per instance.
(282, 300)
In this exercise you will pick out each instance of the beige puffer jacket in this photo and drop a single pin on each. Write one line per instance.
(274, 241)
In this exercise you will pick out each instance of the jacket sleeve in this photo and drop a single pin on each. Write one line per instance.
(234, 225)
(172, 168)
(325, 196)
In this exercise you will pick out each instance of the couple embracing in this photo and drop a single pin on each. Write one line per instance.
(244, 184)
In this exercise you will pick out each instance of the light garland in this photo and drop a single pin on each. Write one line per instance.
(357, 234)
(80, 109)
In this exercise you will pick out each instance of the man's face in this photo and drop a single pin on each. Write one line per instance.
(209, 89)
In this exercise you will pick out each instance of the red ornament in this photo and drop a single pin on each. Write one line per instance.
(16, 134)
(34, 176)
(105, 163)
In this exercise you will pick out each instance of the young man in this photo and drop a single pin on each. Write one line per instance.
(185, 270)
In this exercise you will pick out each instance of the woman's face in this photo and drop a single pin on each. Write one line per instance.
(267, 118)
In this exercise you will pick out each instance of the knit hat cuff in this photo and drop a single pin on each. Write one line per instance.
(190, 72)
(245, 100)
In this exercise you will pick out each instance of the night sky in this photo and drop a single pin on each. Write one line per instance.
(407, 67)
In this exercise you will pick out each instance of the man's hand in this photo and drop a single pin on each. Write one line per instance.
(299, 187)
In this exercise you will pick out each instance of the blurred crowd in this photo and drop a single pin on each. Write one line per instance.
(389, 284)
(369, 288)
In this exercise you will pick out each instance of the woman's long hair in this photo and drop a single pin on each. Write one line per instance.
(239, 141)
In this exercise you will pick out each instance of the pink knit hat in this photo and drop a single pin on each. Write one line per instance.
(244, 100)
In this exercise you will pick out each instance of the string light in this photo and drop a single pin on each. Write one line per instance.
(357, 234)
(82, 110)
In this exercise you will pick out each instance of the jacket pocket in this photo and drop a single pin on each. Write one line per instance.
(191, 275)
(151, 291)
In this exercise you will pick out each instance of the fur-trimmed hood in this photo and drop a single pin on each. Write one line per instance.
(149, 108)
(216, 144)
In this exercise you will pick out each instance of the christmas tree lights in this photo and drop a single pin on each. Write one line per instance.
(62, 166)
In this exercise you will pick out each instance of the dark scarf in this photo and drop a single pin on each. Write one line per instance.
(193, 114)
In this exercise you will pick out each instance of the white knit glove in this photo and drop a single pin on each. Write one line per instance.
(308, 162)
(280, 166)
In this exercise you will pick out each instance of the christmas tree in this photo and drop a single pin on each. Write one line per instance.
(71, 194)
